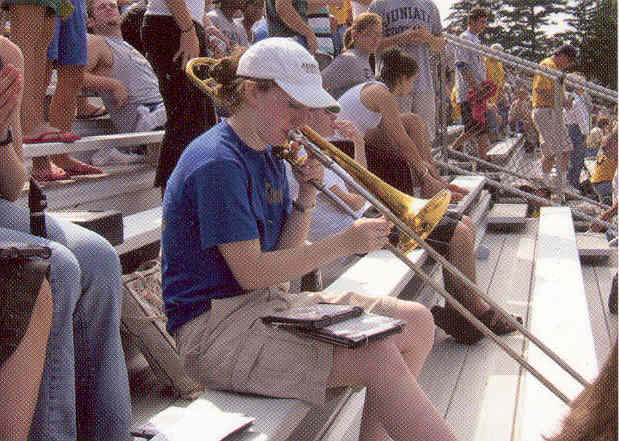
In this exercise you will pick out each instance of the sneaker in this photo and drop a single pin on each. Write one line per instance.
(148, 121)
(112, 156)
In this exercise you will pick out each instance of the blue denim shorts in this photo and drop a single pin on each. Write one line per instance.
(68, 47)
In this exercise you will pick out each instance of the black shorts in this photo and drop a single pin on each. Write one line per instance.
(443, 233)
(469, 122)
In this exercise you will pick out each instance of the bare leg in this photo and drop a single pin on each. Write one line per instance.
(394, 399)
(20, 375)
(462, 256)
(63, 105)
(418, 132)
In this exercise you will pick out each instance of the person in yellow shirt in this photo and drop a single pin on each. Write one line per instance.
(343, 19)
(496, 73)
(605, 168)
(548, 99)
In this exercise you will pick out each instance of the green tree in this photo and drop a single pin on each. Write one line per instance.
(523, 22)
(594, 30)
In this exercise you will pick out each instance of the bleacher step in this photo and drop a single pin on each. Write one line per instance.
(593, 247)
(507, 217)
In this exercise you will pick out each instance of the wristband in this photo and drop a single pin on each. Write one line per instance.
(302, 208)
(8, 140)
(425, 172)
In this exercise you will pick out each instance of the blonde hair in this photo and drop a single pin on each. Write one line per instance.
(361, 23)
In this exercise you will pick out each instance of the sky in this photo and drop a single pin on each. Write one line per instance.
(445, 5)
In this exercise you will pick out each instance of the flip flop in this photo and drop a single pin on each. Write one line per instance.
(457, 189)
(83, 169)
(53, 136)
(96, 112)
(50, 175)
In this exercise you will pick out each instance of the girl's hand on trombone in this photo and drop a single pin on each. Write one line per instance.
(366, 234)
(308, 168)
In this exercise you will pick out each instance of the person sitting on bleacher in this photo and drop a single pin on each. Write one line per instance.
(231, 236)
(222, 18)
(124, 79)
(329, 218)
(373, 108)
(84, 392)
(25, 297)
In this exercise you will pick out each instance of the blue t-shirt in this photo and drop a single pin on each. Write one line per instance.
(221, 191)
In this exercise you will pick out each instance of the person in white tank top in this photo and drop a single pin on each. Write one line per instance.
(372, 106)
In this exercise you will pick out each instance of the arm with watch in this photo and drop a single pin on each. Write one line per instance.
(189, 45)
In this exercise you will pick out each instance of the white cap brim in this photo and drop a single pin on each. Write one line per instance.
(310, 95)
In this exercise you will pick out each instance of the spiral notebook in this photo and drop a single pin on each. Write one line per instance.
(350, 332)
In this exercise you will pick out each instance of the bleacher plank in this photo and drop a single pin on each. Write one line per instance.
(507, 216)
(559, 317)
(474, 184)
(118, 140)
(141, 229)
(500, 151)
(593, 246)
(123, 179)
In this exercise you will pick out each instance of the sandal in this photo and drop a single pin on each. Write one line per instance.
(50, 175)
(94, 112)
(83, 169)
(53, 136)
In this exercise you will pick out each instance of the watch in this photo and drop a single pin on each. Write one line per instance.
(8, 140)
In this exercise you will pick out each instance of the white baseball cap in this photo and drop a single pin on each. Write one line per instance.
(496, 47)
(291, 66)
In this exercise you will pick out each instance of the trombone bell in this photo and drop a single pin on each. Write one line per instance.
(421, 215)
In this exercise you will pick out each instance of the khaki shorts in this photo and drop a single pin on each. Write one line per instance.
(229, 348)
(554, 137)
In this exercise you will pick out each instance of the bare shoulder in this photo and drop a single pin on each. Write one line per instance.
(10, 53)
(375, 96)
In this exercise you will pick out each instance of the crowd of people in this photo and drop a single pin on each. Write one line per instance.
(237, 221)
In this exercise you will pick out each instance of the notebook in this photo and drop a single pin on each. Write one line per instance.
(357, 331)
(341, 325)
(314, 316)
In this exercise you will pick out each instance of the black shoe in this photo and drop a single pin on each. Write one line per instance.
(456, 325)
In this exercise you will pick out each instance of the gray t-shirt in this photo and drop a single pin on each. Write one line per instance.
(347, 70)
(398, 16)
(474, 62)
(135, 72)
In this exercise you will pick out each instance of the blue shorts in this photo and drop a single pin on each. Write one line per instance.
(68, 47)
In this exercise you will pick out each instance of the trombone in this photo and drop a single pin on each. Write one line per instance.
(421, 216)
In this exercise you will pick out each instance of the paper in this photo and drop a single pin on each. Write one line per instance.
(200, 421)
